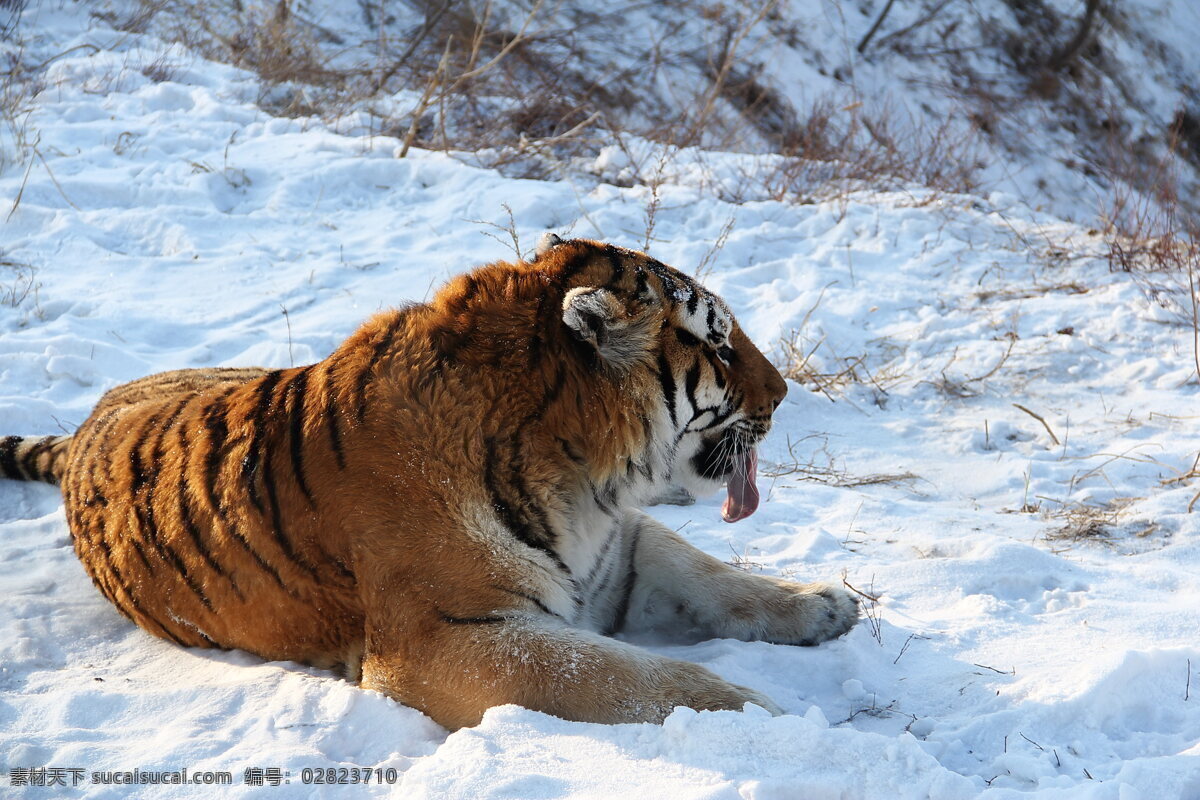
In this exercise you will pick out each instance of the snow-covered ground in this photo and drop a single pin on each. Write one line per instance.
(1038, 585)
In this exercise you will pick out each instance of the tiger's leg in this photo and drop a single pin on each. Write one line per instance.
(678, 589)
(454, 669)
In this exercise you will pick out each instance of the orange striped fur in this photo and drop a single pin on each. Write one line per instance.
(415, 509)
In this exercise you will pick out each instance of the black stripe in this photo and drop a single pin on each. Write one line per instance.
(604, 584)
(381, 346)
(331, 416)
(545, 609)
(666, 276)
(614, 263)
(137, 469)
(603, 554)
(573, 267)
(529, 520)
(667, 379)
(205, 637)
(630, 580)
(143, 502)
(277, 532)
(8, 458)
(548, 399)
(691, 383)
(193, 531)
(93, 566)
(571, 452)
(181, 568)
(641, 283)
(470, 620)
(141, 554)
(257, 420)
(522, 530)
(719, 417)
(216, 425)
(693, 301)
(109, 589)
(51, 473)
(535, 341)
(605, 499)
(460, 302)
(124, 586)
(717, 368)
(297, 389)
(686, 338)
(29, 460)
(258, 559)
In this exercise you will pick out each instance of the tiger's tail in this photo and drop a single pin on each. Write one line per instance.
(34, 458)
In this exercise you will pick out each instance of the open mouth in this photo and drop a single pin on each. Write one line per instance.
(732, 458)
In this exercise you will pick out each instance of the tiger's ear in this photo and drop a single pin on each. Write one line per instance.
(545, 243)
(595, 316)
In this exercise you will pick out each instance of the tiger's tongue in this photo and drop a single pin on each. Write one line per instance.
(743, 492)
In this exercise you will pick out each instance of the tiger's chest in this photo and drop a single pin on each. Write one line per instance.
(595, 552)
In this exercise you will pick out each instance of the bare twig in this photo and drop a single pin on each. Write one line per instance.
(1195, 319)
(1012, 671)
(923, 20)
(287, 319)
(705, 265)
(866, 40)
(1032, 742)
(426, 98)
(907, 642)
(504, 51)
(870, 610)
(429, 25)
(510, 229)
(1040, 419)
(20, 192)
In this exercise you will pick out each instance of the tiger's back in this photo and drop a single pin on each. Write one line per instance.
(181, 491)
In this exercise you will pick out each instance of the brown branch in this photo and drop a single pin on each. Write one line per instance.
(1040, 419)
(866, 40)
(1065, 56)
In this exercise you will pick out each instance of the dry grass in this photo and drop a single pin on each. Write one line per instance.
(821, 467)
(18, 283)
(1103, 524)
(817, 364)
(19, 83)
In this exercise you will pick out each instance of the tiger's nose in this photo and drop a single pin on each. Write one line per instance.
(776, 390)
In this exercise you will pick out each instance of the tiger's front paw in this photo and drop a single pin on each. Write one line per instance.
(812, 613)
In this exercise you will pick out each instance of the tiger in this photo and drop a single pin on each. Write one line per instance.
(446, 508)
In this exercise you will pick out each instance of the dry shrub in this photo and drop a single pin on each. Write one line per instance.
(815, 363)
(848, 145)
(19, 83)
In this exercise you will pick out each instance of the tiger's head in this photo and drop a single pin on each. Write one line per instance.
(706, 392)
